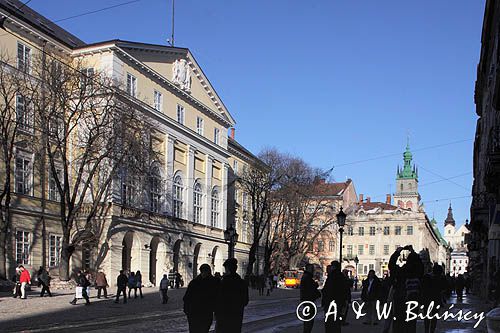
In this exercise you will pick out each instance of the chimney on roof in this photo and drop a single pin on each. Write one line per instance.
(232, 133)
(388, 199)
(361, 198)
(368, 199)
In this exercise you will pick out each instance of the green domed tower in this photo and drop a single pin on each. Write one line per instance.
(407, 195)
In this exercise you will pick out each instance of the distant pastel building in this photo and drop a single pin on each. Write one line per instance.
(456, 240)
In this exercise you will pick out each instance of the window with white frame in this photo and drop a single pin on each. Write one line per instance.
(244, 230)
(199, 125)
(244, 202)
(53, 190)
(180, 114)
(54, 250)
(331, 246)
(409, 230)
(155, 192)
(23, 114)
(215, 208)
(216, 135)
(177, 196)
(158, 100)
(23, 175)
(197, 203)
(349, 250)
(131, 85)
(130, 190)
(371, 250)
(22, 247)
(386, 250)
(235, 166)
(23, 58)
(87, 79)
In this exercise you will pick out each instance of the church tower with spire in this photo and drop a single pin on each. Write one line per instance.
(407, 195)
(449, 224)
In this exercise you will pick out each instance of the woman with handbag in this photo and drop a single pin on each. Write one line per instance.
(138, 280)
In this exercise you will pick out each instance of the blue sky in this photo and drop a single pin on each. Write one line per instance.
(331, 81)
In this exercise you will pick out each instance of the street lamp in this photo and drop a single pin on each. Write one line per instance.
(231, 237)
(341, 221)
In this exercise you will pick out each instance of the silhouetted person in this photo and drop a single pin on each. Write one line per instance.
(232, 298)
(260, 282)
(434, 288)
(407, 287)
(178, 280)
(44, 279)
(349, 282)
(138, 282)
(82, 282)
(17, 287)
(121, 285)
(459, 287)
(132, 284)
(164, 284)
(199, 300)
(370, 294)
(101, 284)
(335, 289)
(308, 292)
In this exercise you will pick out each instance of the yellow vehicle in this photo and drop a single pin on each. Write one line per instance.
(292, 278)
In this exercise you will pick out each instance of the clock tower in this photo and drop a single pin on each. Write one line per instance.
(407, 195)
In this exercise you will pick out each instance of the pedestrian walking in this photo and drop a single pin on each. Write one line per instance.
(121, 285)
(164, 284)
(171, 278)
(269, 285)
(459, 287)
(260, 283)
(44, 279)
(275, 281)
(434, 288)
(132, 284)
(24, 279)
(199, 300)
(101, 284)
(308, 292)
(407, 287)
(82, 283)
(335, 289)
(17, 283)
(232, 298)
(370, 294)
(138, 281)
(178, 280)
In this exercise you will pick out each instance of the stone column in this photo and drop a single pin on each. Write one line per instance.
(169, 172)
(190, 183)
(115, 264)
(208, 189)
(224, 194)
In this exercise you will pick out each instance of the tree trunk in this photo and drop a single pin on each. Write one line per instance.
(3, 255)
(64, 262)
(251, 259)
(267, 259)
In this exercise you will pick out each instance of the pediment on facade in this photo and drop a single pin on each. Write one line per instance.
(178, 66)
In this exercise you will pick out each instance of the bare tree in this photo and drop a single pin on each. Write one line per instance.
(11, 91)
(91, 131)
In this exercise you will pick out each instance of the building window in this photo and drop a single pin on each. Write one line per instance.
(244, 202)
(54, 250)
(349, 250)
(409, 230)
(235, 166)
(131, 85)
(215, 208)
(158, 100)
(244, 231)
(371, 267)
(361, 231)
(320, 246)
(199, 125)
(178, 196)
(130, 190)
(53, 190)
(23, 114)
(365, 270)
(331, 246)
(372, 250)
(387, 231)
(360, 249)
(180, 114)
(87, 79)
(386, 250)
(350, 231)
(197, 203)
(23, 58)
(23, 176)
(360, 268)
(22, 247)
(86, 256)
(372, 231)
(155, 191)
(397, 231)
(216, 136)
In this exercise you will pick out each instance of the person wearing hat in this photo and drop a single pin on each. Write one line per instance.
(199, 300)
(232, 298)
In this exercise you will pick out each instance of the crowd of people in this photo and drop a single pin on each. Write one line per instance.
(407, 282)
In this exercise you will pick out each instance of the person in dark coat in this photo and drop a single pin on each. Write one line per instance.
(406, 284)
(199, 300)
(459, 287)
(44, 279)
(121, 284)
(308, 292)
(232, 298)
(370, 294)
(334, 290)
(101, 284)
(84, 283)
(434, 288)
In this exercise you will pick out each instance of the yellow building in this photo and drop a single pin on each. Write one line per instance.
(179, 225)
